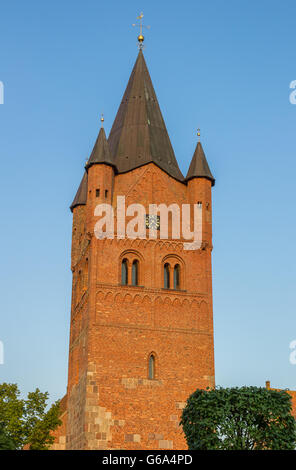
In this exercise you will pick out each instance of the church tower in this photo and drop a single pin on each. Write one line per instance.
(141, 335)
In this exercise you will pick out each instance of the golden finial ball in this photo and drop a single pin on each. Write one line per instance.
(141, 38)
(102, 118)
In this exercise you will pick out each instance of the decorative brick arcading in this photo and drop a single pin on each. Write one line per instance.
(112, 402)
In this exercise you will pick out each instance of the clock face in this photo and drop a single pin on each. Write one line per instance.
(153, 221)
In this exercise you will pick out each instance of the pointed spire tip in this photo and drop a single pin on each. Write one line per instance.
(199, 167)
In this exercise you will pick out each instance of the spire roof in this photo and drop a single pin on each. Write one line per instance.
(101, 152)
(81, 195)
(199, 167)
(139, 135)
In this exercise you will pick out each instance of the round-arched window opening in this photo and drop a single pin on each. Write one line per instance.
(135, 272)
(124, 272)
(151, 367)
(177, 276)
(166, 276)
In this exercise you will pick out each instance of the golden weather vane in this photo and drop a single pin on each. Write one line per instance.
(102, 119)
(198, 134)
(141, 26)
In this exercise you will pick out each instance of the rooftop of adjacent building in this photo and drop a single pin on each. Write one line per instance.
(290, 392)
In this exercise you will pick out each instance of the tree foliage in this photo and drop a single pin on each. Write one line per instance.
(26, 421)
(6, 443)
(246, 418)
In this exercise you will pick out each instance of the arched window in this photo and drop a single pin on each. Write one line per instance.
(151, 371)
(177, 276)
(135, 272)
(124, 271)
(166, 277)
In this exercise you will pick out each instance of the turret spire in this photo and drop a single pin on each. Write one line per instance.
(101, 152)
(81, 195)
(199, 167)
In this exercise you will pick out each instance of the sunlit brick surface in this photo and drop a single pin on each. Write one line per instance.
(111, 402)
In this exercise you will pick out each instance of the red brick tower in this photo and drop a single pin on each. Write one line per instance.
(141, 336)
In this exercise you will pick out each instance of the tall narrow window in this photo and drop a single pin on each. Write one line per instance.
(166, 276)
(78, 287)
(124, 271)
(151, 372)
(177, 276)
(135, 272)
(85, 275)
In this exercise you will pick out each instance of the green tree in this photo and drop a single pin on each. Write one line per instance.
(26, 421)
(246, 418)
(6, 443)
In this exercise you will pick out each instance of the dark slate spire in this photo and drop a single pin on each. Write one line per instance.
(138, 135)
(81, 195)
(199, 167)
(101, 152)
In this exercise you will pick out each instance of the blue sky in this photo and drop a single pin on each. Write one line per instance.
(222, 66)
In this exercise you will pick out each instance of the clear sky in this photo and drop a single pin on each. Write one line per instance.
(223, 66)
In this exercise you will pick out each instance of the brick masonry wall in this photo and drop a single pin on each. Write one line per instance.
(111, 402)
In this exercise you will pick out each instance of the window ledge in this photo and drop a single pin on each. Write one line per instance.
(130, 285)
(173, 290)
